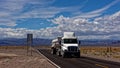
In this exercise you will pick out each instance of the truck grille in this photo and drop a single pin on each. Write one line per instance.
(72, 48)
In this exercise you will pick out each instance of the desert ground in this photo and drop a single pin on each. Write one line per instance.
(19, 57)
(111, 53)
(22, 57)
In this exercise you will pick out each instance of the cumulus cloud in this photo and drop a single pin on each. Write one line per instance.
(12, 10)
(101, 28)
(17, 9)
(22, 33)
(106, 27)
(67, 20)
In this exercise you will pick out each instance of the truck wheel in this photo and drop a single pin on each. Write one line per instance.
(78, 55)
(58, 53)
(53, 51)
(64, 55)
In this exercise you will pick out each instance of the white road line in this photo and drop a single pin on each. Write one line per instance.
(49, 60)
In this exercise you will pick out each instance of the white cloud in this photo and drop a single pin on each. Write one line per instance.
(13, 5)
(6, 19)
(96, 13)
(105, 7)
(22, 33)
(7, 22)
(67, 20)
(101, 28)
(60, 20)
(17, 5)
(12, 33)
(4, 14)
(106, 27)
(47, 12)
(11, 10)
(39, 13)
(88, 15)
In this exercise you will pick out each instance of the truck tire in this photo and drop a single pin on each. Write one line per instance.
(58, 53)
(64, 55)
(53, 51)
(78, 55)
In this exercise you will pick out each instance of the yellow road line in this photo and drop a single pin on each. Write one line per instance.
(101, 66)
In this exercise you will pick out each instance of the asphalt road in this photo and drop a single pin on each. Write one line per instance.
(83, 62)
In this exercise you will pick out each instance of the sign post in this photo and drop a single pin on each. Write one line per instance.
(29, 43)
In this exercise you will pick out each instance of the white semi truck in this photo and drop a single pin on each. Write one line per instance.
(66, 46)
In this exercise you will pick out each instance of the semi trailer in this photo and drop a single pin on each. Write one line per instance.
(66, 46)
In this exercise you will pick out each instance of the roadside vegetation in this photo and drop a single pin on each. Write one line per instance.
(101, 51)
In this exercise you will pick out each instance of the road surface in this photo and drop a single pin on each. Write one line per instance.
(83, 62)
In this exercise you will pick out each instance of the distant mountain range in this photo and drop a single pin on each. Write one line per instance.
(23, 41)
(39, 41)
(100, 42)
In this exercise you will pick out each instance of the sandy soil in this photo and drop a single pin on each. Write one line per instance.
(102, 52)
(19, 58)
(102, 57)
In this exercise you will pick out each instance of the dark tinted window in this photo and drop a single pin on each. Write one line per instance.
(70, 40)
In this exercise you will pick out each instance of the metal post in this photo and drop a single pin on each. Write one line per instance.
(29, 43)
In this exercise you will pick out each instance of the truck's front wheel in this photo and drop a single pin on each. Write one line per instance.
(64, 55)
(53, 51)
(78, 55)
(58, 53)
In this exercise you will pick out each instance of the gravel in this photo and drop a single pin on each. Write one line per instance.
(19, 58)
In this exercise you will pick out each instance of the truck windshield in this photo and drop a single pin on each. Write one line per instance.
(70, 41)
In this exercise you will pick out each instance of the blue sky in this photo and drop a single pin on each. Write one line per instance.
(53, 17)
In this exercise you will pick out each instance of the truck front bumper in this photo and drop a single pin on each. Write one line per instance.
(72, 53)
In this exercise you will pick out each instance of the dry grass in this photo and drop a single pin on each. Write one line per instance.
(101, 51)
(16, 56)
(13, 47)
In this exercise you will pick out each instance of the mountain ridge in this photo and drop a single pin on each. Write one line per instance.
(40, 41)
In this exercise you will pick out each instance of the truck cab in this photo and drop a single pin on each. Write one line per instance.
(68, 45)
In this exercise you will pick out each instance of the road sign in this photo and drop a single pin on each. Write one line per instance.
(29, 38)
(29, 42)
